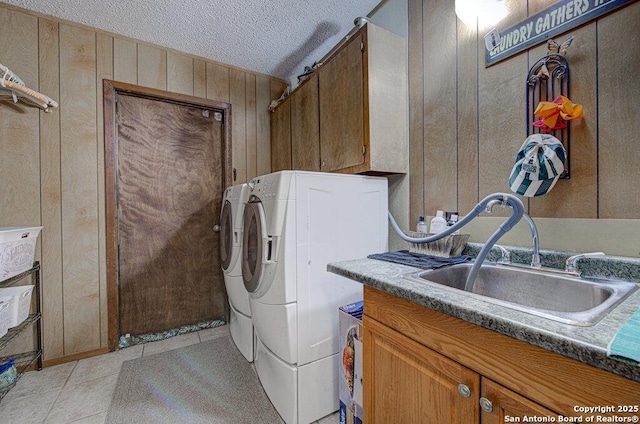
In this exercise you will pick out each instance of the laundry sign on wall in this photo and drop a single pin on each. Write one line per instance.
(553, 20)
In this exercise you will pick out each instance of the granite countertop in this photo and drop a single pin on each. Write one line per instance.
(585, 344)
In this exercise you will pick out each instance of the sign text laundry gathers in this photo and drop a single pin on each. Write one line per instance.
(555, 19)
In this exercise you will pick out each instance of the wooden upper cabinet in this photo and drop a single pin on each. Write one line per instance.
(305, 127)
(351, 115)
(342, 141)
(281, 137)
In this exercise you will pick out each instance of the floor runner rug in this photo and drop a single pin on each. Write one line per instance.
(209, 382)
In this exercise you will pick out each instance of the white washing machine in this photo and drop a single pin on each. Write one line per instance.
(240, 324)
(295, 223)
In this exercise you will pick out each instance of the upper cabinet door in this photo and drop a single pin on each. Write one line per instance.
(342, 108)
(305, 127)
(351, 115)
(281, 137)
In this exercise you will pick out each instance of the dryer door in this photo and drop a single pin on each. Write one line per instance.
(254, 244)
(226, 235)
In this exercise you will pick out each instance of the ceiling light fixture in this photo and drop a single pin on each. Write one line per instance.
(485, 12)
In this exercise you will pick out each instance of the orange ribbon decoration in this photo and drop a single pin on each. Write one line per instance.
(552, 115)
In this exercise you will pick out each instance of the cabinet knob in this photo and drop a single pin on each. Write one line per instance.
(216, 228)
(486, 404)
(464, 390)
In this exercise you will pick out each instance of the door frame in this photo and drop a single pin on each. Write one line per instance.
(110, 91)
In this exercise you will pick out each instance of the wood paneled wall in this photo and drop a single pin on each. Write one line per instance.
(52, 164)
(467, 122)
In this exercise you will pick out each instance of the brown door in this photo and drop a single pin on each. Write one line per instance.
(170, 178)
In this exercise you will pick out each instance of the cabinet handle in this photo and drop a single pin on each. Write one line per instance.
(486, 404)
(464, 390)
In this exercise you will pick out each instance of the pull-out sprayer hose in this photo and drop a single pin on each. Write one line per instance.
(516, 214)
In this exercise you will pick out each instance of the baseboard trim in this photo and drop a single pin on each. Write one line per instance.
(74, 357)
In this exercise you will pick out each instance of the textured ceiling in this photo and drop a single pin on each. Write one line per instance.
(274, 37)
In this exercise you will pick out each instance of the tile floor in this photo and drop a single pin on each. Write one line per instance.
(79, 392)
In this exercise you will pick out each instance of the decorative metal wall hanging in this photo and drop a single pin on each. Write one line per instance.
(548, 79)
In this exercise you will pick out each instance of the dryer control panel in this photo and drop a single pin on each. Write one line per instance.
(271, 186)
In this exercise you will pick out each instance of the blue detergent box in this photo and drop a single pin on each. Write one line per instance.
(350, 363)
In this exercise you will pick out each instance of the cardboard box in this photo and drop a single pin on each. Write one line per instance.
(17, 250)
(350, 364)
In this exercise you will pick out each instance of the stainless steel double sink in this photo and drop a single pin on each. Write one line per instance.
(564, 298)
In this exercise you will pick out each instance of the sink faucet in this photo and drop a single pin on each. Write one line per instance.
(535, 256)
(517, 210)
(570, 264)
(505, 257)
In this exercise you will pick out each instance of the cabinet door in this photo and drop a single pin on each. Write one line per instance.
(342, 108)
(508, 406)
(305, 127)
(281, 137)
(405, 382)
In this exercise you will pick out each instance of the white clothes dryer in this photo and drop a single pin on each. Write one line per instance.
(240, 324)
(296, 222)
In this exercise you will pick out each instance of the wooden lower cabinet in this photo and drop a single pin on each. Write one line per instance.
(423, 366)
(501, 405)
(405, 382)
